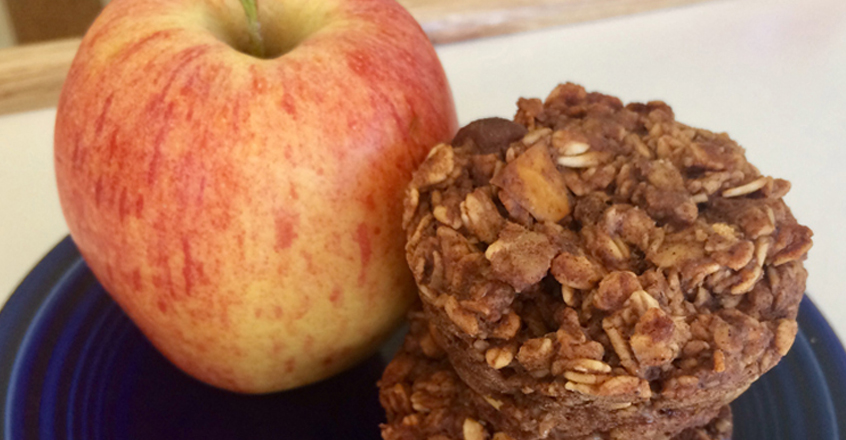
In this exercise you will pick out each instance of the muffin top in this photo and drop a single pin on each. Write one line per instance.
(605, 249)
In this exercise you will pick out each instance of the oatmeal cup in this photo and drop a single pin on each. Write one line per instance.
(426, 400)
(597, 258)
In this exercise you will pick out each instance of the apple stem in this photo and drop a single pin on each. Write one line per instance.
(253, 27)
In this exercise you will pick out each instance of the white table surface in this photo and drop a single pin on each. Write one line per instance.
(772, 73)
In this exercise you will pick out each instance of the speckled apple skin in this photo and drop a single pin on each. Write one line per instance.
(245, 212)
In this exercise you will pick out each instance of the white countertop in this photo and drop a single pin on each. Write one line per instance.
(772, 73)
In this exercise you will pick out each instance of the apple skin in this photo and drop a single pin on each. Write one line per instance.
(244, 212)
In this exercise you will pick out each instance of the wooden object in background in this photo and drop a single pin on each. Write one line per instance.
(31, 76)
(43, 20)
(447, 21)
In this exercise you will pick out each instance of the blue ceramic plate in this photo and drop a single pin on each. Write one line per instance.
(72, 366)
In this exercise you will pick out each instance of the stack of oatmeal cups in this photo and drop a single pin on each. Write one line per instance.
(591, 271)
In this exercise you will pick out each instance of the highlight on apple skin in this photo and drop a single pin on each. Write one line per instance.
(246, 212)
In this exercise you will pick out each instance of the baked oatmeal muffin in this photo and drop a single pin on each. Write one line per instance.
(425, 400)
(604, 261)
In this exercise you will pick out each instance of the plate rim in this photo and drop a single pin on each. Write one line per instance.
(24, 307)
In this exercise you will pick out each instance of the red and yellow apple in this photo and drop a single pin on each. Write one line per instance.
(245, 212)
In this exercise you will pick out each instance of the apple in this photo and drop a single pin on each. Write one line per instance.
(245, 211)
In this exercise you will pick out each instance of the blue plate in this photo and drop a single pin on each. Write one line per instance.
(72, 366)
